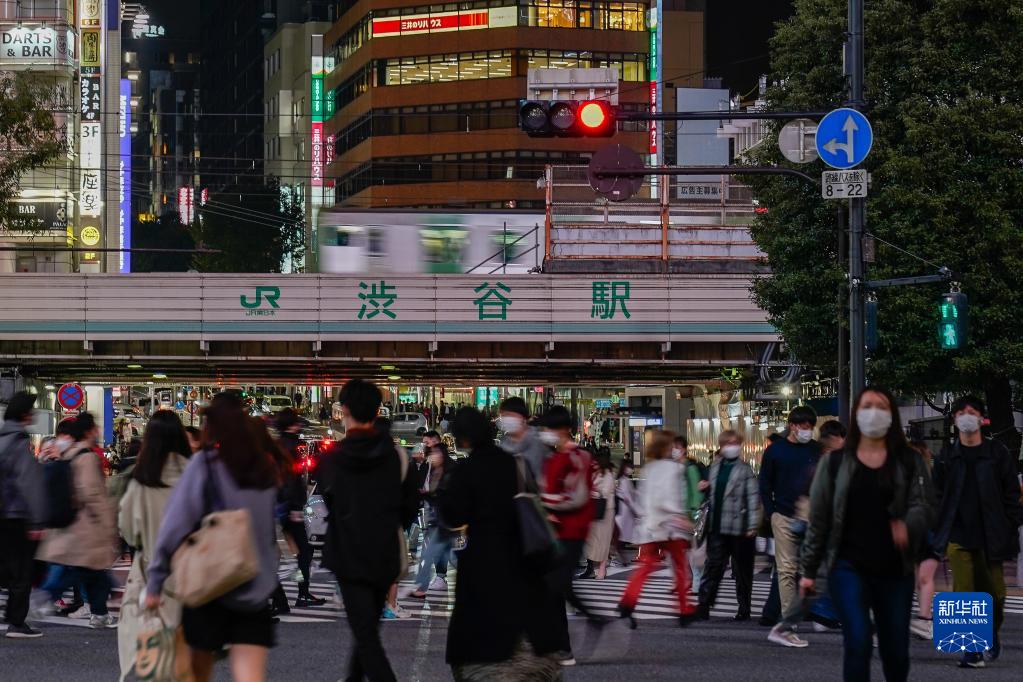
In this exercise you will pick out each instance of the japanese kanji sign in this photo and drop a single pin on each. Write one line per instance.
(377, 299)
(610, 298)
(492, 303)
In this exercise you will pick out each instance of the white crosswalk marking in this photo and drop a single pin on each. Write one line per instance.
(656, 600)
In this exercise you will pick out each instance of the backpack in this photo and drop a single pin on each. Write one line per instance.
(59, 483)
(8, 481)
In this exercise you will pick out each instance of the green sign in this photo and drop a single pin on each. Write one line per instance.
(492, 304)
(255, 305)
(317, 99)
(377, 299)
(609, 298)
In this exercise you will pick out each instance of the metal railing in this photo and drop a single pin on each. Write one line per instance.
(503, 252)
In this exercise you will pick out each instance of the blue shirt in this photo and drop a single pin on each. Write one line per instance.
(786, 471)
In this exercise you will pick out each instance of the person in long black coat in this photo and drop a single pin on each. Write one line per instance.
(496, 629)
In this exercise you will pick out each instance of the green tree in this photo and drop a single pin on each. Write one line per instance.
(30, 135)
(166, 232)
(255, 229)
(947, 113)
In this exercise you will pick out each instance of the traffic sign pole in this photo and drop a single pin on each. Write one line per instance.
(857, 319)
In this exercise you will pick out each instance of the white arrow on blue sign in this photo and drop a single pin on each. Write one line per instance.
(844, 138)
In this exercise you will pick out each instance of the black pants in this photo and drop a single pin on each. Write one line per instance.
(721, 548)
(363, 604)
(16, 568)
(560, 582)
(296, 531)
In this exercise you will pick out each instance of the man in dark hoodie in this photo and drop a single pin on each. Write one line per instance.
(22, 510)
(370, 497)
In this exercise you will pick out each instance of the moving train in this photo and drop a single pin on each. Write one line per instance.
(429, 242)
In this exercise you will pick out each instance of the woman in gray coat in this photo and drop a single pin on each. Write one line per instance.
(732, 526)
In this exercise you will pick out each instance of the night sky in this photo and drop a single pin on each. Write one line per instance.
(737, 35)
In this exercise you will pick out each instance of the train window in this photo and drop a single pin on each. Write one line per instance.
(505, 239)
(343, 237)
(443, 248)
(376, 243)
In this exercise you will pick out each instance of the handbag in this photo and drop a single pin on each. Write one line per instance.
(539, 541)
(599, 508)
(700, 523)
(161, 654)
(218, 557)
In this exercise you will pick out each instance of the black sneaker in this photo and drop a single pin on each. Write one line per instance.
(309, 600)
(23, 631)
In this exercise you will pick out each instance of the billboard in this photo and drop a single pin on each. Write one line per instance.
(444, 22)
(36, 45)
(124, 175)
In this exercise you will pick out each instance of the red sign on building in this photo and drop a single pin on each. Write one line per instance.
(430, 23)
(317, 154)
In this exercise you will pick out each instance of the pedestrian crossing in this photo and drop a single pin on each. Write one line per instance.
(657, 601)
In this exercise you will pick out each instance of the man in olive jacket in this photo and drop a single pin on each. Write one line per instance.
(975, 480)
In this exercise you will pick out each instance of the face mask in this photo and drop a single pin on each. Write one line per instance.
(550, 438)
(804, 435)
(873, 421)
(731, 451)
(676, 454)
(510, 423)
(968, 423)
(63, 444)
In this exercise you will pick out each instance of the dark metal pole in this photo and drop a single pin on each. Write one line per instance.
(843, 325)
(854, 69)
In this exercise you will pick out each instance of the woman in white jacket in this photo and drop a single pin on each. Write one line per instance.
(666, 527)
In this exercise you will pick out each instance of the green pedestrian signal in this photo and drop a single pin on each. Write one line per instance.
(952, 329)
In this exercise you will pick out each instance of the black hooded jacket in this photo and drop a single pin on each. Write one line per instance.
(369, 504)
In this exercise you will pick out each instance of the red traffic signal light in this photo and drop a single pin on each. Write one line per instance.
(567, 118)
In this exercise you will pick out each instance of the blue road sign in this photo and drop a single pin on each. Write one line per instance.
(844, 138)
(180, 405)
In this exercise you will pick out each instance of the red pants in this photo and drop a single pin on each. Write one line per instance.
(650, 556)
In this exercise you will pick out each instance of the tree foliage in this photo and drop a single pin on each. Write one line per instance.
(255, 228)
(943, 96)
(30, 135)
(166, 232)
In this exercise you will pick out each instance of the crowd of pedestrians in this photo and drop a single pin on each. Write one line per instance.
(858, 521)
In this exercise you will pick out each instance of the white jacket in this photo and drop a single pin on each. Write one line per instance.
(664, 501)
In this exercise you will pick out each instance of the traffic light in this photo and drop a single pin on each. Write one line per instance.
(955, 317)
(567, 118)
(870, 335)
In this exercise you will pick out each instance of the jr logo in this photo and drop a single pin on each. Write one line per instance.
(271, 294)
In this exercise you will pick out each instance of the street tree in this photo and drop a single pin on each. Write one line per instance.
(255, 229)
(947, 189)
(166, 232)
(30, 135)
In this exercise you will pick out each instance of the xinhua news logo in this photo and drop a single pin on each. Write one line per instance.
(255, 306)
(963, 622)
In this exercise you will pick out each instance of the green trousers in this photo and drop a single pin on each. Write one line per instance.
(972, 572)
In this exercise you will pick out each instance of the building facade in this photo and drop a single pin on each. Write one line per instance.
(294, 107)
(424, 98)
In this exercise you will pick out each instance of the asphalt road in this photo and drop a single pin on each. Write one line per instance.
(717, 650)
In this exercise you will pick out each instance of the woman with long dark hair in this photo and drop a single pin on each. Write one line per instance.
(159, 466)
(244, 476)
(869, 511)
(479, 492)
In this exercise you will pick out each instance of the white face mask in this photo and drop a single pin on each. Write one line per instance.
(510, 423)
(676, 454)
(550, 438)
(874, 422)
(968, 423)
(804, 435)
(731, 451)
(63, 444)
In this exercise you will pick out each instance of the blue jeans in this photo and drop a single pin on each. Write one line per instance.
(96, 585)
(436, 552)
(856, 596)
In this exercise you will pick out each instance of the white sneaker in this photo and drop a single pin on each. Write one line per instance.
(100, 622)
(439, 583)
(82, 613)
(922, 628)
(821, 627)
(786, 638)
(401, 612)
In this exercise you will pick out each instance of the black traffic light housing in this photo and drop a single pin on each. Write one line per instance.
(567, 118)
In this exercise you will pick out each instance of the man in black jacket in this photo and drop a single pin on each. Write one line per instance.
(371, 498)
(979, 513)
